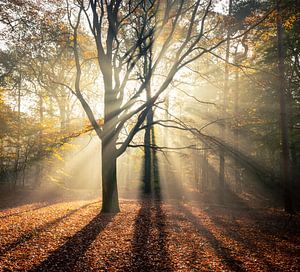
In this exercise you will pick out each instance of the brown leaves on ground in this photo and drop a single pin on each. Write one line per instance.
(147, 235)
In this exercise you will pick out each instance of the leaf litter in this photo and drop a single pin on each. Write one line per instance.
(147, 235)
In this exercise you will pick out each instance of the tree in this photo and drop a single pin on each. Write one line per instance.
(35, 44)
(118, 52)
(286, 167)
(136, 49)
(224, 106)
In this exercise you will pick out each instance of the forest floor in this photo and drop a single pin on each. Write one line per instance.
(147, 235)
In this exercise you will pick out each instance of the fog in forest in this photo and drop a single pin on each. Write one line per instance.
(149, 135)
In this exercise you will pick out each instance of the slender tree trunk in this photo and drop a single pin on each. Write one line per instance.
(288, 206)
(204, 169)
(127, 170)
(148, 186)
(39, 168)
(293, 161)
(196, 170)
(148, 159)
(166, 175)
(148, 179)
(62, 114)
(18, 147)
(222, 174)
(223, 126)
(236, 132)
(155, 166)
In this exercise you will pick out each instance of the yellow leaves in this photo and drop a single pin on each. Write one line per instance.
(100, 121)
(81, 38)
(58, 156)
(70, 62)
(88, 127)
(290, 22)
(89, 54)
(84, 39)
(88, 50)
(62, 26)
(265, 36)
(67, 146)
(1, 101)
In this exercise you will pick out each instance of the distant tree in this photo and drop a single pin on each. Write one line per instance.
(286, 168)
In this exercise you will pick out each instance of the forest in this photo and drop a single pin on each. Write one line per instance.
(149, 135)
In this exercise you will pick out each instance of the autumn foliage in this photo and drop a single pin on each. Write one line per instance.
(148, 235)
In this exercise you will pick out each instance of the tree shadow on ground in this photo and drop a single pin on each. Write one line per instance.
(248, 240)
(265, 219)
(68, 255)
(175, 191)
(43, 196)
(36, 231)
(270, 226)
(149, 252)
(40, 206)
(225, 255)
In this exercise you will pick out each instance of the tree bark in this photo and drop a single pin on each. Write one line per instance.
(147, 153)
(288, 206)
(236, 143)
(39, 166)
(18, 147)
(110, 199)
(223, 126)
(204, 169)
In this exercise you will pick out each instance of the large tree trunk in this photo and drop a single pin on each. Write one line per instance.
(110, 199)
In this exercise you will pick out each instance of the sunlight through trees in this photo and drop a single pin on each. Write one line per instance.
(195, 95)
